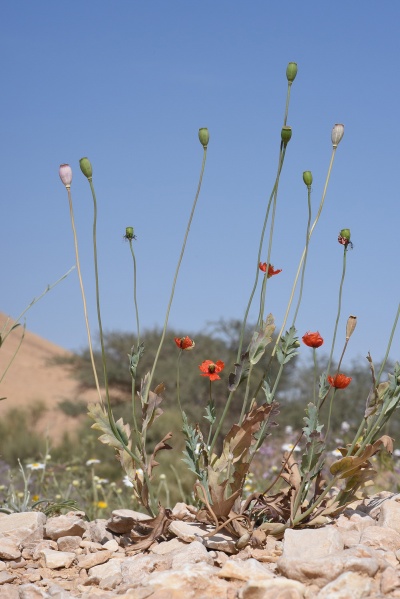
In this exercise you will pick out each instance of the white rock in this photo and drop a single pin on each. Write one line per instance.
(23, 527)
(389, 516)
(244, 570)
(93, 559)
(311, 543)
(273, 589)
(64, 526)
(98, 573)
(56, 559)
(380, 538)
(9, 549)
(348, 585)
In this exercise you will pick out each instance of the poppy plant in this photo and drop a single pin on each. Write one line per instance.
(184, 343)
(312, 339)
(339, 381)
(211, 369)
(271, 272)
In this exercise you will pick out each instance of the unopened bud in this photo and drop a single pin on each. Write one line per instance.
(291, 71)
(65, 173)
(204, 137)
(86, 167)
(350, 326)
(337, 134)
(345, 233)
(129, 233)
(307, 178)
(286, 134)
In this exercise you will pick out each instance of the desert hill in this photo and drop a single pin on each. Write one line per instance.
(31, 379)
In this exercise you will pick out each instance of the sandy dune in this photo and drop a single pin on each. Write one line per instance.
(31, 378)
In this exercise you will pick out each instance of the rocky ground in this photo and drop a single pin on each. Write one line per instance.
(357, 556)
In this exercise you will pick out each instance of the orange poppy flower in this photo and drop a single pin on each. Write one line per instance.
(313, 339)
(184, 342)
(339, 381)
(211, 369)
(271, 272)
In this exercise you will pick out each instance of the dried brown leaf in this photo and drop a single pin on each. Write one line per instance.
(158, 527)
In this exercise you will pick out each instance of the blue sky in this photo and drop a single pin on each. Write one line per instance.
(128, 84)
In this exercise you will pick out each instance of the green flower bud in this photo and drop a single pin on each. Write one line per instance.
(345, 233)
(286, 134)
(86, 167)
(204, 137)
(307, 178)
(129, 233)
(291, 71)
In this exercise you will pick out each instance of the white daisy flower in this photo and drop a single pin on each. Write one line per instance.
(35, 466)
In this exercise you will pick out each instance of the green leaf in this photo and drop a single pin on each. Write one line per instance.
(260, 340)
(102, 423)
(287, 347)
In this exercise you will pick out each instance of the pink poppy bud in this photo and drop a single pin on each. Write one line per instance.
(337, 134)
(65, 173)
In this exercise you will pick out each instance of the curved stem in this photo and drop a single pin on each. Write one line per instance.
(304, 251)
(389, 345)
(177, 272)
(78, 267)
(305, 256)
(339, 310)
(96, 271)
(134, 292)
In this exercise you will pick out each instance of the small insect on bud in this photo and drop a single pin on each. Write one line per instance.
(344, 238)
(65, 173)
(291, 71)
(129, 233)
(350, 326)
(286, 134)
(86, 167)
(204, 137)
(308, 178)
(337, 134)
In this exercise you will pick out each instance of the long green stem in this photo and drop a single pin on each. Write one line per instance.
(246, 396)
(78, 266)
(339, 310)
(178, 390)
(211, 410)
(96, 273)
(177, 271)
(305, 256)
(389, 345)
(304, 251)
(272, 198)
(137, 344)
(134, 292)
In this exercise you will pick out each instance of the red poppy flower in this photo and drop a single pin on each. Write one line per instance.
(271, 272)
(184, 342)
(312, 339)
(211, 369)
(339, 381)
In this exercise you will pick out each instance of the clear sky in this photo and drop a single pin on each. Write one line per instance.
(128, 84)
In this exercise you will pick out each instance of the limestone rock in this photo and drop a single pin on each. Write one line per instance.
(56, 559)
(64, 526)
(311, 543)
(24, 526)
(9, 549)
(348, 585)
